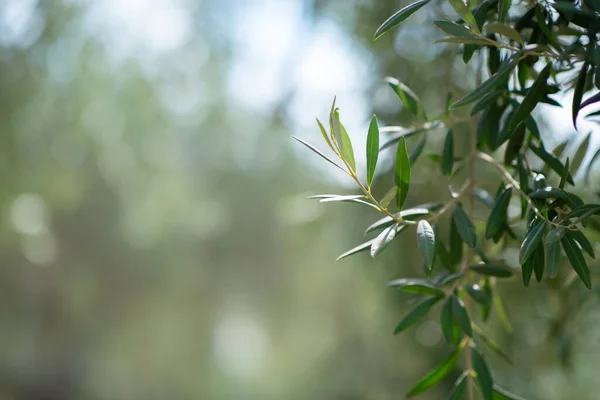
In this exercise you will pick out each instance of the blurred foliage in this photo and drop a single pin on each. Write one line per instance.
(152, 249)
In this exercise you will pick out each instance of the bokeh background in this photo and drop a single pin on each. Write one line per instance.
(155, 239)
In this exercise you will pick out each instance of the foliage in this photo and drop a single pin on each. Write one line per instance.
(523, 54)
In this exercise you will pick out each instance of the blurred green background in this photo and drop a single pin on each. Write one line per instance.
(156, 242)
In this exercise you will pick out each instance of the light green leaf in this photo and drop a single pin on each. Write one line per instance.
(504, 30)
(580, 154)
(406, 96)
(402, 173)
(426, 242)
(464, 12)
(454, 29)
(398, 17)
(384, 239)
(502, 314)
(435, 376)
(501, 394)
(535, 93)
(416, 314)
(462, 40)
(503, 6)
(492, 344)
(460, 314)
(372, 149)
(484, 376)
(358, 249)
(388, 197)
(346, 149)
(498, 79)
(532, 239)
(418, 286)
(325, 137)
(465, 227)
(314, 149)
(576, 259)
(448, 154)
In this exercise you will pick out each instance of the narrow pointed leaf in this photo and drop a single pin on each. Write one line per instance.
(456, 244)
(358, 249)
(584, 211)
(465, 227)
(497, 219)
(577, 260)
(582, 240)
(325, 136)
(540, 262)
(455, 29)
(383, 240)
(477, 293)
(448, 154)
(551, 161)
(314, 149)
(535, 93)
(514, 144)
(492, 344)
(462, 317)
(591, 100)
(408, 98)
(402, 173)
(553, 258)
(498, 79)
(398, 17)
(460, 386)
(484, 376)
(347, 151)
(588, 168)
(563, 178)
(416, 152)
(415, 314)
(504, 30)
(388, 197)
(555, 235)
(502, 394)
(426, 242)
(491, 270)
(435, 376)
(532, 239)
(372, 149)
(450, 329)
(418, 286)
(578, 92)
(580, 153)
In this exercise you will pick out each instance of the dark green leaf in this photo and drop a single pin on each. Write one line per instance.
(314, 149)
(578, 91)
(514, 144)
(426, 242)
(464, 226)
(563, 178)
(398, 17)
(459, 388)
(483, 196)
(487, 308)
(532, 239)
(456, 244)
(477, 293)
(406, 96)
(416, 314)
(496, 80)
(491, 270)
(492, 345)
(552, 258)
(435, 376)
(503, 6)
(582, 240)
(501, 394)
(450, 329)
(398, 132)
(455, 29)
(402, 173)
(551, 161)
(372, 149)
(576, 259)
(583, 211)
(590, 100)
(497, 219)
(461, 316)
(416, 152)
(360, 248)
(418, 286)
(450, 278)
(535, 93)
(448, 154)
(484, 376)
(486, 101)
(555, 235)
(540, 262)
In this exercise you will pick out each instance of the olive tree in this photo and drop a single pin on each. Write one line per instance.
(522, 54)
